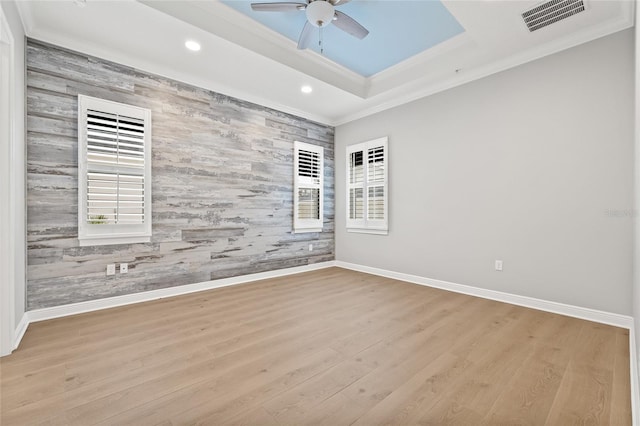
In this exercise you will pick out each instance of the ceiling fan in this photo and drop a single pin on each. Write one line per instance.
(320, 13)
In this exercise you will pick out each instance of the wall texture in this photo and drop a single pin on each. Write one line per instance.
(222, 183)
(532, 166)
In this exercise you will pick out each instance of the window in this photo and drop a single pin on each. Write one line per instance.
(367, 189)
(307, 187)
(114, 172)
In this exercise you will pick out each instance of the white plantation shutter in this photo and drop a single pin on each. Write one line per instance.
(115, 172)
(376, 180)
(308, 187)
(367, 187)
(356, 185)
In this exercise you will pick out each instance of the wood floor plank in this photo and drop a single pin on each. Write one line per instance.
(400, 406)
(333, 347)
(259, 416)
(620, 404)
(335, 410)
(290, 407)
(528, 397)
(218, 398)
(472, 382)
(222, 372)
(55, 405)
(411, 352)
(584, 396)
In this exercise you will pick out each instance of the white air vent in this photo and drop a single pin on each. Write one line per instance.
(550, 12)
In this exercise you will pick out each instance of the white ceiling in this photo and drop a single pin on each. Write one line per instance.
(244, 59)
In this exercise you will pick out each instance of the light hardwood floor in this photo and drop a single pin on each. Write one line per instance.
(331, 347)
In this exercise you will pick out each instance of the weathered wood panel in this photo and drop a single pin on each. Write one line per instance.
(222, 183)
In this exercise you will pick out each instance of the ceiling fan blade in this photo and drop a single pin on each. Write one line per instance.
(278, 7)
(339, 2)
(305, 36)
(349, 25)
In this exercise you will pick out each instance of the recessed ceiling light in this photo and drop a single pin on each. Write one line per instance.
(192, 45)
(306, 89)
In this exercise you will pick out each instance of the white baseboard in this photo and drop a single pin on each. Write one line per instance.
(608, 318)
(112, 302)
(20, 330)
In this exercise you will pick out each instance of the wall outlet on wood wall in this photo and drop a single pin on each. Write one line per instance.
(111, 269)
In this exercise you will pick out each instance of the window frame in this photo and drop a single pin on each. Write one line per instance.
(118, 233)
(300, 182)
(364, 224)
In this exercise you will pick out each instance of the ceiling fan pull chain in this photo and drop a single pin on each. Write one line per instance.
(320, 43)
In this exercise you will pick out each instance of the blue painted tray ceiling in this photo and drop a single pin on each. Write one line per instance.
(398, 29)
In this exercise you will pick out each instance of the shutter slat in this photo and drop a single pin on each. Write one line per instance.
(375, 201)
(375, 158)
(356, 203)
(308, 164)
(356, 168)
(114, 139)
(99, 139)
(308, 203)
(115, 198)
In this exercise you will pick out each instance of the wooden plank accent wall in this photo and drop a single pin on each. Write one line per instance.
(222, 183)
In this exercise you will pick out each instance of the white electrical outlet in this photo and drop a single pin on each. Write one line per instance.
(310, 247)
(124, 268)
(111, 269)
(498, 265)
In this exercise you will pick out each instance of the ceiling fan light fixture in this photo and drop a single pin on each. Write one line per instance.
(320, 13)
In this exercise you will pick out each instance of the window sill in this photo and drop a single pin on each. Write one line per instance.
(103, 241)
(369, 231)
(306, 230)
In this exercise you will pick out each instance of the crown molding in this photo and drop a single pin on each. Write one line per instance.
(25, 16)
(264, 57)
(420, 88)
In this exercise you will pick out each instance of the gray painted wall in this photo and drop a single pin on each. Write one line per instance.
(532, 166)
(222, 184)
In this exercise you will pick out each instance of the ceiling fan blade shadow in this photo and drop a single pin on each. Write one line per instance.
(278, 7)
(305, 35)
(350, 25)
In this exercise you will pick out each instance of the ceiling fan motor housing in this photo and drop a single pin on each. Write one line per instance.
(320, 13)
